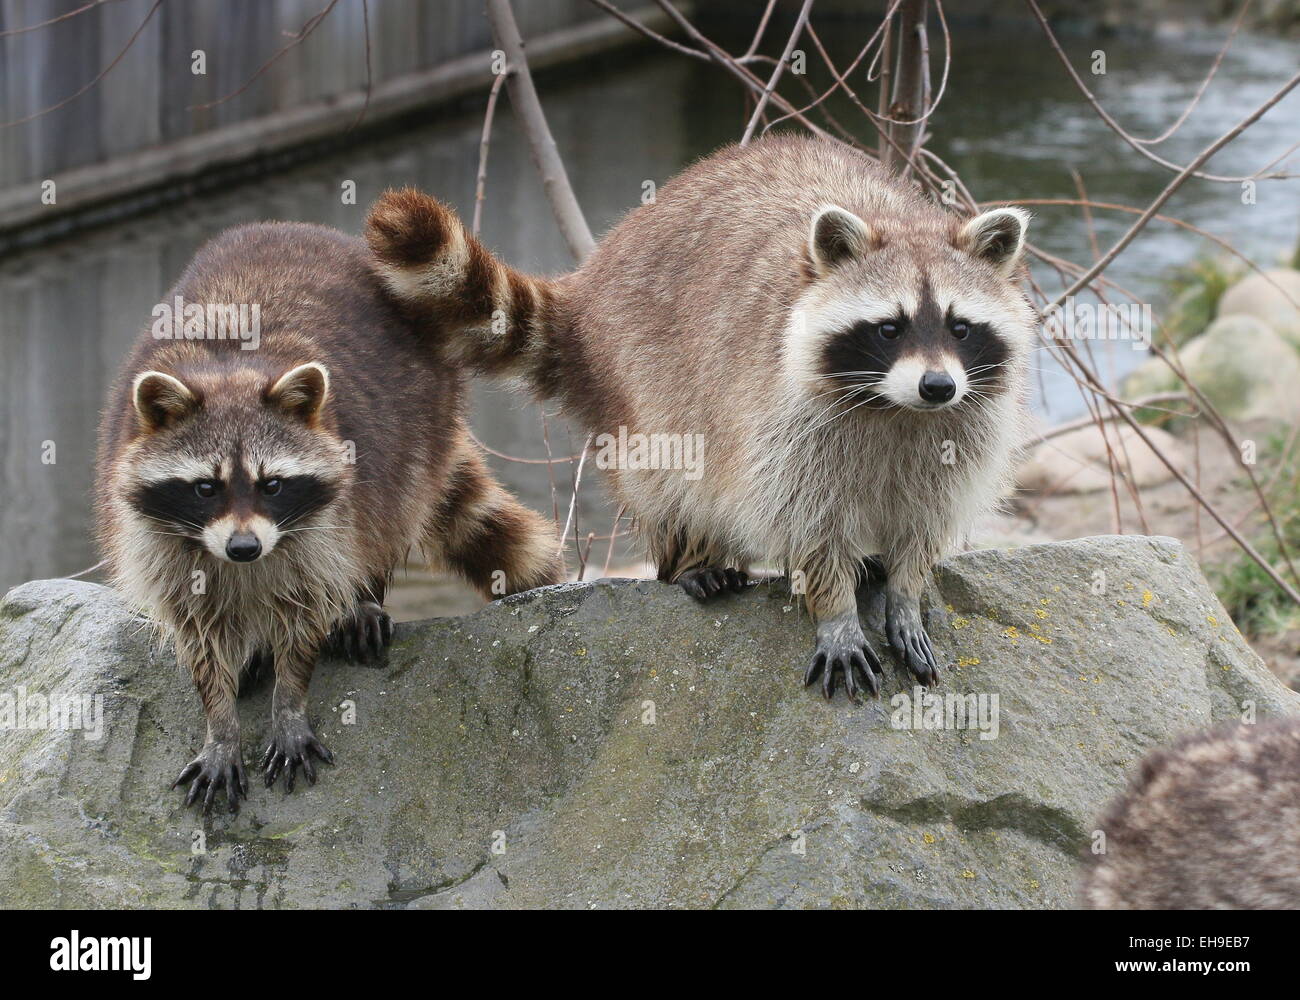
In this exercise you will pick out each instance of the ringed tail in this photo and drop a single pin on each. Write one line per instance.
(483, 314)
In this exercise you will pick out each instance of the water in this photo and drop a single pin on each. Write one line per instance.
(1011, 123)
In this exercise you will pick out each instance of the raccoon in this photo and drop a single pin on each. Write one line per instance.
(1212, 822)
(255, 502)
(854, 358)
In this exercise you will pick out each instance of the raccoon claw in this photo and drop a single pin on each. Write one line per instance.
(292, 745)
(363, 634)
(911, 643)
(218, 765)
(705, 583)
(844, 652)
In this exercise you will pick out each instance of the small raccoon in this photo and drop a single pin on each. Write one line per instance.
(254, 503)
(853, 357)
(1212, 822)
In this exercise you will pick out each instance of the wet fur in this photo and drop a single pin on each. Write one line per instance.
(417, 482)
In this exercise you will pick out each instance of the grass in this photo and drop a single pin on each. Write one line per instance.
(1254, 601)
(1194, 292)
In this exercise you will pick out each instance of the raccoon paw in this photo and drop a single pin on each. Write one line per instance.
(843, 651)
(292, 745)
(706, 582)
(362, 635)
(218, 765)
(910, 641)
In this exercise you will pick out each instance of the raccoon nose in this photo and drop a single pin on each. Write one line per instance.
(243, 547)
(937, 387)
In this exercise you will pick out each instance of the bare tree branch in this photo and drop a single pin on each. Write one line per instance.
(524, 100)
(300, 36)
(912, 84)
(102, 73)
(1137, 144)
(1173, 186)
(766, 96)
(480, 184)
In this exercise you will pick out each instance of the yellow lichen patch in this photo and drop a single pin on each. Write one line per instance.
(1170, 630)
(1040, 613)
(968, 661)
(928, 838)
(582, 651)
(949, 608)
(960, 623)
(1011, 632)
(967, 873)
(1032, 883)
(1212, 620)
(1147, 598)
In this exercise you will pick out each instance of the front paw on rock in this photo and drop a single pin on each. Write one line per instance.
(912, 645)
(217, 766)
(293, 744)
(852, 659)
(708, 582)
(360, 637)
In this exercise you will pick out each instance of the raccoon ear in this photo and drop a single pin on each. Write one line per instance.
(301, 391)
(160, 399)
(838, 235)
(997, 236)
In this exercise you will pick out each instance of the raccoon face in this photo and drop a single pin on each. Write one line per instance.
(236, 464)
(924, 320)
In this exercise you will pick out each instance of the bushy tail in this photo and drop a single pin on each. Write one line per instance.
(485, 315)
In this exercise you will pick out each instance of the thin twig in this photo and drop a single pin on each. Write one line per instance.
(480, 184)
(55, 20)
(1172, 186)
(766, 96)
(302, 34)
(1124, 134)
(102, 73)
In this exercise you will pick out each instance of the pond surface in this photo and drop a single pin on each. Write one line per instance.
(1011, 123)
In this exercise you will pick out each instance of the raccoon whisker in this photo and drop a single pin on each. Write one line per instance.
(836, 414)
(849, 374)
(314, 527)
(173, 522)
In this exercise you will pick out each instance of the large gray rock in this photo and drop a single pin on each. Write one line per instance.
(1248, 371)
(529, 726)
(1272, 297)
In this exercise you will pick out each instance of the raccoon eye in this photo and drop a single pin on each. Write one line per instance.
(889, 330)
(206, 488)
(271, 487)
(960, 330)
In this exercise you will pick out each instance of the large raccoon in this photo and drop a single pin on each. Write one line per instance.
(254, 502)
(1212, 822)
(854, 357)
